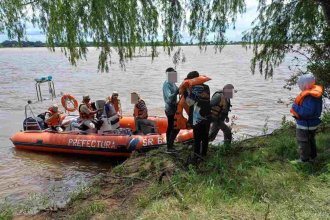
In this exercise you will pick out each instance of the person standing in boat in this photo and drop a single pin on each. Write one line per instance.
(170, 92)
(86, 112)
(115, 101)
(220, 107)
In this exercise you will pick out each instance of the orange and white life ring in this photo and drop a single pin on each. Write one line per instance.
(67, 101)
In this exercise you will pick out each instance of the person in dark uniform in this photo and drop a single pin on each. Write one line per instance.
(220, 107)
(200, 97)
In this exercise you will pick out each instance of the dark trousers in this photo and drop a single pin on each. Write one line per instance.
(201, 137)
(146, 126)
(171, 133)
(190, 115)
(216, 126)
(307, 144)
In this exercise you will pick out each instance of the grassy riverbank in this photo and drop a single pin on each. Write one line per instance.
(251, 179)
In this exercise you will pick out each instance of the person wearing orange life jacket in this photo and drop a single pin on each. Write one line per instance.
(55, 118)
(220, 107)
(307, 109)
(193, 78)
(198, 96)
(141, 115)
(86, 112)
(115, 101)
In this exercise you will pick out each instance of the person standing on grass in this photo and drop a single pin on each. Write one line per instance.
(307, 109)
(170, 92)
(220, 107)
(200, 98)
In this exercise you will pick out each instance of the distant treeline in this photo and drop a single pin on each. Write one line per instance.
(9, 43)
(13, 43)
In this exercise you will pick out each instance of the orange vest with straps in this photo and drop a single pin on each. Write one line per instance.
(316, 91)
(180, 122)
(84, 115)
(55, 119)
(139, 113)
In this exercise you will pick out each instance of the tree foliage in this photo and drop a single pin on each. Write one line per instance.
(126, 24)
(123, 26)
(298, 26)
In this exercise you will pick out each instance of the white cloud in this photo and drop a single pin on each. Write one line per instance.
(243, 22)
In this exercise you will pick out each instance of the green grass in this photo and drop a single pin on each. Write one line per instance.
(250, 179)
(84, 193)
(87, 212)
(6, 212)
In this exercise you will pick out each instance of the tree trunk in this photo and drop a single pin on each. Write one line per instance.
(325, 4)
(326, 9)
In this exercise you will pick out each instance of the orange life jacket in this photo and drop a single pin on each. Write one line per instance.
(316, 91)
(188, 83)
(139, 113)
(55, 119)
(84, 115)
(180, 122)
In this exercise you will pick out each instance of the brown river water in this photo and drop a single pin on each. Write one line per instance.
(26, 176)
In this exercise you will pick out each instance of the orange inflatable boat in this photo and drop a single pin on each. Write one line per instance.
(120, 143)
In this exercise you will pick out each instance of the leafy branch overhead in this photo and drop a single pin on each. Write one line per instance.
(289, 26)
(281, 26)
(118, 25)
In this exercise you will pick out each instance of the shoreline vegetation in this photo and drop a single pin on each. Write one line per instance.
(16, 44)
(251, 179)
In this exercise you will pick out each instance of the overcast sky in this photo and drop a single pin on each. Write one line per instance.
(243, 23)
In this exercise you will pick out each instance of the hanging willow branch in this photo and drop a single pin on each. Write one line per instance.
(119, 26)
(122, 26)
